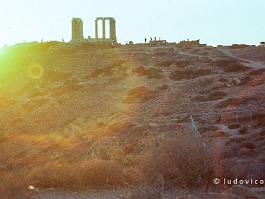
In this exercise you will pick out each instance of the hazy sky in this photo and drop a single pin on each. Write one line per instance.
(213, 21)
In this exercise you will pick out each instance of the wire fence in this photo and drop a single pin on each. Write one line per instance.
(197, 135)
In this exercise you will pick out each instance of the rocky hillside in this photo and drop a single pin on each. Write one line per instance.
(61, 104)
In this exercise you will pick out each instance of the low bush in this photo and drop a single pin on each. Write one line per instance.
(140, 94)
(177, 161)
(243, 130)
(248, 145)
(229, 102)
(216, 95)
(259, 119)
(141, 71)
(235, 140)
(181, 74)
(162, 87)
(182, 63)
(164, 64)
(234, 126)
(257, 71)
(58, 75)
(230, 65)
(151, 73)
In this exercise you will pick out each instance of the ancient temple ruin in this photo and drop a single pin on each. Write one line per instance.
(77, 31)
(112, 29)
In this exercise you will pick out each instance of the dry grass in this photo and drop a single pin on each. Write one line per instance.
(14, 186)
(46, 161)
(94, 173)
(55, 162)
(177, 161)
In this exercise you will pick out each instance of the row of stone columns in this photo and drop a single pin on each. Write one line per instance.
(112, 28)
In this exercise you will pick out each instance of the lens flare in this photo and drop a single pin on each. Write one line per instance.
(2, 51)
(35, 71)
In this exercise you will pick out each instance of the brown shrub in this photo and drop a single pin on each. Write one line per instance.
(164, 63)
(140, 94)
(262, 133)
(237, 101)
(141, 71)
(101, 71)
(248, 145)
(151, 73)
(35, 103)
(238, 46)
(35, 92)
(117, 63)
(229, 102)
(257, 71)
(162, 87)
(6, 101)
(177, 161)
(57, 75)
(234, 126)
(181, 74)
(220, 134)
(230, 65)
(216, 95)
(182, 63)
(69, 86)
(244, 81)
(154, 73)
(243, 130)
(200, 72)
(259, 119)
(234, 140)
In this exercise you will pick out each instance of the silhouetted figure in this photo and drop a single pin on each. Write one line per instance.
(155, 38)
(145, 40)
(151, 39)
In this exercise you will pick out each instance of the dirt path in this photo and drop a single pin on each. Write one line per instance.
(250, 63)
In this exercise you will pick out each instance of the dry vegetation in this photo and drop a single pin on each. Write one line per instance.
(44, 163)
(107, 118)
(177, 161)
(140, 94)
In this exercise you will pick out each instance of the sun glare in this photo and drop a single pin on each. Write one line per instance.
(2, 51)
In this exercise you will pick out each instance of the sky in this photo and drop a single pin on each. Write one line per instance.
(213, 21)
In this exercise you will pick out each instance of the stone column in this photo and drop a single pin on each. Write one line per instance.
(96, 29)
(103, 29)
(113, 30)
